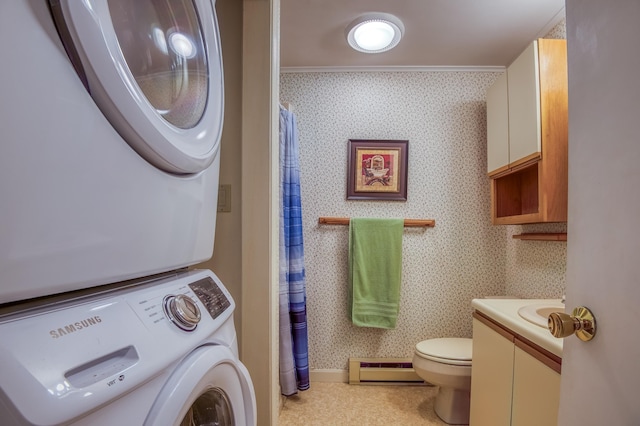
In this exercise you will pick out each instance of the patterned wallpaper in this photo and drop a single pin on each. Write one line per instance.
(442, 114)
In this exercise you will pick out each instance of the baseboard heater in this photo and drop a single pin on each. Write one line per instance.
(382, 370)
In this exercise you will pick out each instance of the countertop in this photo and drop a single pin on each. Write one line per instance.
(505, 312)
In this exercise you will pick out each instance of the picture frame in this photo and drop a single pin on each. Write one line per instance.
(377, 170)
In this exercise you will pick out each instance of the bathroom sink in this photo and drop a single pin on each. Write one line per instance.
(538, 313)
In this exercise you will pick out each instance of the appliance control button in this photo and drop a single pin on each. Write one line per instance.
(182, 311)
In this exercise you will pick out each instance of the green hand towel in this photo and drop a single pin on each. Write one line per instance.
(375, 271)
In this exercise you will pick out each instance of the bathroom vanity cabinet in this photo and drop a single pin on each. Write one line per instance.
(527, 133)
(513, 380)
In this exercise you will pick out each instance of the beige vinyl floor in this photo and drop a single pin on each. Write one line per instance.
(341, 404)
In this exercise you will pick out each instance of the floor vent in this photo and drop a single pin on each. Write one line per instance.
(381, 371)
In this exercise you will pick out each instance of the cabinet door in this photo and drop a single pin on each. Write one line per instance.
(536, 392)
(491, 377)
(498, 126)
(523, 80)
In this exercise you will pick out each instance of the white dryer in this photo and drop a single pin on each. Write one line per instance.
(110, 122)
(159, 353)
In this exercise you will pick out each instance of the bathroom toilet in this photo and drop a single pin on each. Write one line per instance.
(446, 363)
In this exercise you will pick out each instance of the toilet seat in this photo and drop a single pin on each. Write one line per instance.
(453, 350)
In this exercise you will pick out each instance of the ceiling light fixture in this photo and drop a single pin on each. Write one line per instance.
(375, 32)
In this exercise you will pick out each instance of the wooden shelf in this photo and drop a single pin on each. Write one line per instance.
(560, 236)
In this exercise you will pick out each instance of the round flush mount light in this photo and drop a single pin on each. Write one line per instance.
(375, 32)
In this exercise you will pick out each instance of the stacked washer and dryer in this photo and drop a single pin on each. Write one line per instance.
(110, 122)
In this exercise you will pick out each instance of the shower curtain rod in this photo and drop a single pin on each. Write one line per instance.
(430, 223)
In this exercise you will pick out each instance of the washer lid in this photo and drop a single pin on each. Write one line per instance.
(155, 71)
(451, 350)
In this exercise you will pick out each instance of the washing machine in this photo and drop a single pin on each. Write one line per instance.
(110, 122)
(157, 353)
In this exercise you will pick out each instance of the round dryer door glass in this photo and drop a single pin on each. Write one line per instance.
(211, 408)
(163, 47)
(154, 69)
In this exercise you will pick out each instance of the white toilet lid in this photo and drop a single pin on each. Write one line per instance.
(452, 350)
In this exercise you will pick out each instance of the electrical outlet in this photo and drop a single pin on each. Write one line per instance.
(224, 198)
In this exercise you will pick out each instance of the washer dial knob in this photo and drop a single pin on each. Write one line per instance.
(182, 311)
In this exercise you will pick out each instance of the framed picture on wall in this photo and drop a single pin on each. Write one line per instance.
(377, 170)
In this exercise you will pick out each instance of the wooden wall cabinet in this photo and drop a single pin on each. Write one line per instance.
(513, 382)
(527, 135)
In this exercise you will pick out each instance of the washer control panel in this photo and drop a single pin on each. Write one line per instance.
(211, 296)
(191, 302)
(184, 312)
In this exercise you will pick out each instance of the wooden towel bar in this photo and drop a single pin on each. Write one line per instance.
(407, 222)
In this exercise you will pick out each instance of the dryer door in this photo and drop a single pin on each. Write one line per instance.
(154, 68)
(210, 386)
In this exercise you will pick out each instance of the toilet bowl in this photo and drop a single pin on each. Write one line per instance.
(446, 363)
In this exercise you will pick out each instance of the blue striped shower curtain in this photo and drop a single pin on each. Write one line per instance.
(294, 355)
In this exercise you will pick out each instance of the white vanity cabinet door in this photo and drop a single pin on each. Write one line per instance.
(523, 80)
(513, 382)
(536, 392)
(491, 377)
(498, 126)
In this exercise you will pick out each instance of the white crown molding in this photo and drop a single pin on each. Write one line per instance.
(559, 16)
(401, 68)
